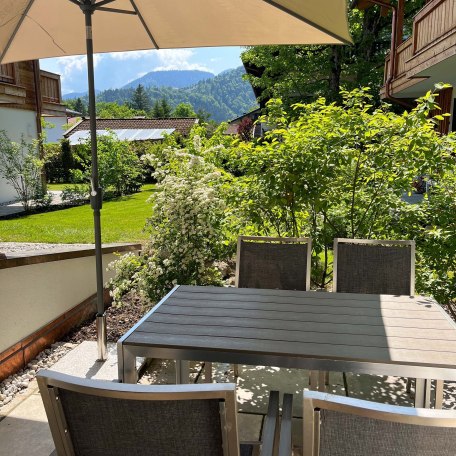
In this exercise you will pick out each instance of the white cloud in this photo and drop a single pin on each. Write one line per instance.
(75, 63)
(132, 55)
(177, 59)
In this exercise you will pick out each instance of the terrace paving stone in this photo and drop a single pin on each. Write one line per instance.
(24, 430)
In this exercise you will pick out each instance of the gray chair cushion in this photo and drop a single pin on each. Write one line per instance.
(343, 434)
(374, 269)
(272, 265)
(101, 426)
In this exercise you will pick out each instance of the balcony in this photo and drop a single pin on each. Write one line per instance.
(50, 94)
(10, 91)
(18, 89)
(429, 55)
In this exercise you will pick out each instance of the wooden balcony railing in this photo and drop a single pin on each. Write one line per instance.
(434, 21)
(431, 26)
(7, 73)
(50, 87)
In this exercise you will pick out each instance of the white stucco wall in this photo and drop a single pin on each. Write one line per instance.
(16, 123)
(34, 295)
(55, 133)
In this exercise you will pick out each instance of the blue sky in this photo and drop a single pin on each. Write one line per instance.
(117, 69)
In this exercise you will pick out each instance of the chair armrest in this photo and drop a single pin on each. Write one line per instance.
(270, 425)
(285, 426)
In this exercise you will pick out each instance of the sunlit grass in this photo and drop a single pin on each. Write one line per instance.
(122, 220)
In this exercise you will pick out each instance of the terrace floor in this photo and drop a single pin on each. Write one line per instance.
(24, 429)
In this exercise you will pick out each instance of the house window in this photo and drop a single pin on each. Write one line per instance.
(50, 89)
(7, 73)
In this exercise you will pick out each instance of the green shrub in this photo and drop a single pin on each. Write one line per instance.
(187, 229)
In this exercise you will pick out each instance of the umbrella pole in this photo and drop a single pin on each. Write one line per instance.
(96, 195)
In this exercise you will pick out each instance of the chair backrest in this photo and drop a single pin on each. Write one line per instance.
(374, 266)
(275, 263)
(341, 426)
(94, 418)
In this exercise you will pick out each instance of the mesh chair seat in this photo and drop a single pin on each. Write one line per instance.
(338, 426)
(273, 263)
(100, 418)
(374, 267)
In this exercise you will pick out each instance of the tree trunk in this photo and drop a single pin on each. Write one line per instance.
(334, 77)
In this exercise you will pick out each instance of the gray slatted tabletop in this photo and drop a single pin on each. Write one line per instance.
(377, 334)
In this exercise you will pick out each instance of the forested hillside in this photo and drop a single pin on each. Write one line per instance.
(224, 96)
(170, 78)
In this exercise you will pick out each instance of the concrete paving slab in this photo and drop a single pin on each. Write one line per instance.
(25, 430)
(82, 362)
(16, 207)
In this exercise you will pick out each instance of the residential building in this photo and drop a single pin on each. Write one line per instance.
(135, 129)
(426, 57)
(27, 94)
(258, 128)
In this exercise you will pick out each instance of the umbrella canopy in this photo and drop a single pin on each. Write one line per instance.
(35, 29)
(31, 29)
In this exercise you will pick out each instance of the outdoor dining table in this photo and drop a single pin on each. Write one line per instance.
(407, 336)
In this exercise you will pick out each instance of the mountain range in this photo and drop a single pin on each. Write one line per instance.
(224, 96)
(170, 78)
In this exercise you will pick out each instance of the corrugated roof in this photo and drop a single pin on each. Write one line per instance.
(181, 124)
(126, 134)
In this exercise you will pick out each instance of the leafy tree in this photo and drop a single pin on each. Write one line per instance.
(161, 109)
(245, 128)
(119, 168)
(21, 168)
(184, 110)
(304, 73)
(203, 116)
(336, 171)
(80, 106)
(140, 100)
(112, 110)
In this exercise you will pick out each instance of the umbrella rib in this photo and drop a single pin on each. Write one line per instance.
(307, 21)
(116, 10)
(18, 26)
(103, 2)
(143, 22)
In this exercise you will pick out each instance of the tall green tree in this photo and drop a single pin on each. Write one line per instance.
(80, 106)
(112, 110)
(184, 110)
(161, 109)
(304, 73)
(140, 100)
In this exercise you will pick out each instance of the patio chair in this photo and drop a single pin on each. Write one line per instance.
(374, 266)
(272, 263)
(94, 418)
(340, 426)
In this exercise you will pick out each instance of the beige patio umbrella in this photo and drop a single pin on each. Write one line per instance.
(34, 29)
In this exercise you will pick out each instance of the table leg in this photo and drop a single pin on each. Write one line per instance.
(208, 371)
(182, 371)
(127, 365)
(422, 393)
(438, 394)
(317, 380)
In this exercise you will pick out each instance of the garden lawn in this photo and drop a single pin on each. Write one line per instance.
(122, 220)
(51, 187)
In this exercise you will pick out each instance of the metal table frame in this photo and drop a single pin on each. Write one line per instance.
(424, 374)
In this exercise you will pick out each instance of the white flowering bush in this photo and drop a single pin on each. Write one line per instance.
(186, 228)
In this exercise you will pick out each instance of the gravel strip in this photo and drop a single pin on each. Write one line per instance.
(21, 247)
(18, 383)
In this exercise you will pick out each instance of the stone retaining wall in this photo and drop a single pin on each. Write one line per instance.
(43, 295)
